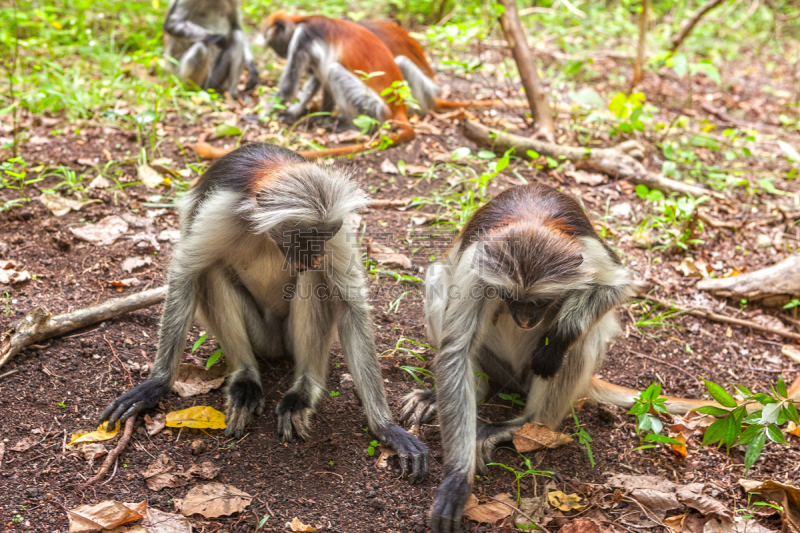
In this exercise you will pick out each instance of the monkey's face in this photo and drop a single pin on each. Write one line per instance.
(527, 314)
(304, 247)
(278, 35)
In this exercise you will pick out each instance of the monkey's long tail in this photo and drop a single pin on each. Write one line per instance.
(603, 391)
(206, 151)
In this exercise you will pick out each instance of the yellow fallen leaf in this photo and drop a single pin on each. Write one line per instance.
(199, 417)
(793, 428)
(680, 450)
(565, 502)
(98, 435)
(297, 525)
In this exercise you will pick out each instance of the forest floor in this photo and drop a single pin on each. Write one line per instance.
(59, 388)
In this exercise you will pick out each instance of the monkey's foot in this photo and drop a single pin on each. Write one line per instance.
(244, 399)
(448, 503)
(413, 454)
(294, 413)
(143, 396)
(489, 436)
(419, 407)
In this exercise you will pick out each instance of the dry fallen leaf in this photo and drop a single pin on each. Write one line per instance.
(103, 233)
(565, 502)
(104, 515)
(387, 257)
(582, 525)
(675, 523)
(162, 522)
(737, 525)
(787, 496)
(198, 417)
(193, 379)
(653, 492)
(99, 183)
(59, 205)
(532, 507)
(91, 451)
(297, 525)
(692, 496)
(23, 445)
(680, 450)
(8, 276)
(149, 176)
(791, 352)
(212, 500)
(169, 235)
(98, 435)
(490, 512)
(387, 167)
(155, 424)
(695, 268)
(129, 264)
(531, 437)
(793, 429)
(586, 178)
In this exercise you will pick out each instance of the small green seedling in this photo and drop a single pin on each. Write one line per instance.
(371, 448)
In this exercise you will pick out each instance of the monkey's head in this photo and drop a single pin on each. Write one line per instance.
(531, 266)
(304, 247)
(278, 30)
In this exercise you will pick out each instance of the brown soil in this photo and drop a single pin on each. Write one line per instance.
(61, 386)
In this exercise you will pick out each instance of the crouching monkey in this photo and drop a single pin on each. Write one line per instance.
(525, 296)
(268, 262)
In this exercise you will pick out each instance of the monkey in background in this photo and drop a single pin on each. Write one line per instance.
(205, 43)
(269, 263)
(526, 296)
(353, 67)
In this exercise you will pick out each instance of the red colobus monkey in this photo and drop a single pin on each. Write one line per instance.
(270, 265)
(204, 43)
(526, 295)
(336, 52)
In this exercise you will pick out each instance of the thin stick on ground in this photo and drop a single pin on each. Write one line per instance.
(39, 324)
(121, 445)
(526, 64)
(716, 317)
(616, 162)
(692, 22)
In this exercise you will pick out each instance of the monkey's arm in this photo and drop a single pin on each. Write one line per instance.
(179, 310)
(296, 63)
(358, 346)
(455, 397)
(177, 24)
(252, 79)
(577, 313)
(297, 109)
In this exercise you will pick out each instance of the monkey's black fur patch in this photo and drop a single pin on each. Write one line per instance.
(292, 402)
(546, 361)
(143, 396)
(448, 503)
(406, 445)
(245, 394)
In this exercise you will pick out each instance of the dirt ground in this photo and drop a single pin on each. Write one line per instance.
(60, 387)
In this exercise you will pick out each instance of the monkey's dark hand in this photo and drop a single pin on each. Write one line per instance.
(143, 396)
(547, 359)
(252, 79)
(217, 39)
(448, 503)
(413, 454)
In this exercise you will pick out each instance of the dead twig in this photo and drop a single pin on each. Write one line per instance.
(692, 22)
(618, 162)
(716, 317)
(39, 324)
(121, 445)
(379, 203)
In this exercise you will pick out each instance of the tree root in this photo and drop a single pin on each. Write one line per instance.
(112, 456)
(618, 162)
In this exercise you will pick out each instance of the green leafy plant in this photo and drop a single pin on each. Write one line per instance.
(645, 408)
(583, 436)
(519, 474)
(677, 219)
(399, 92)
(735, 427)
(511, 397)
(629, 110)
(371, 448)
(8, 301)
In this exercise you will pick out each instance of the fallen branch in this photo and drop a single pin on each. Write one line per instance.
(716, 317)
(725, 117)
(616, 162)
(775, 284)
(121, 445)
(379, 203)
(692, 22)
(39, 324)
